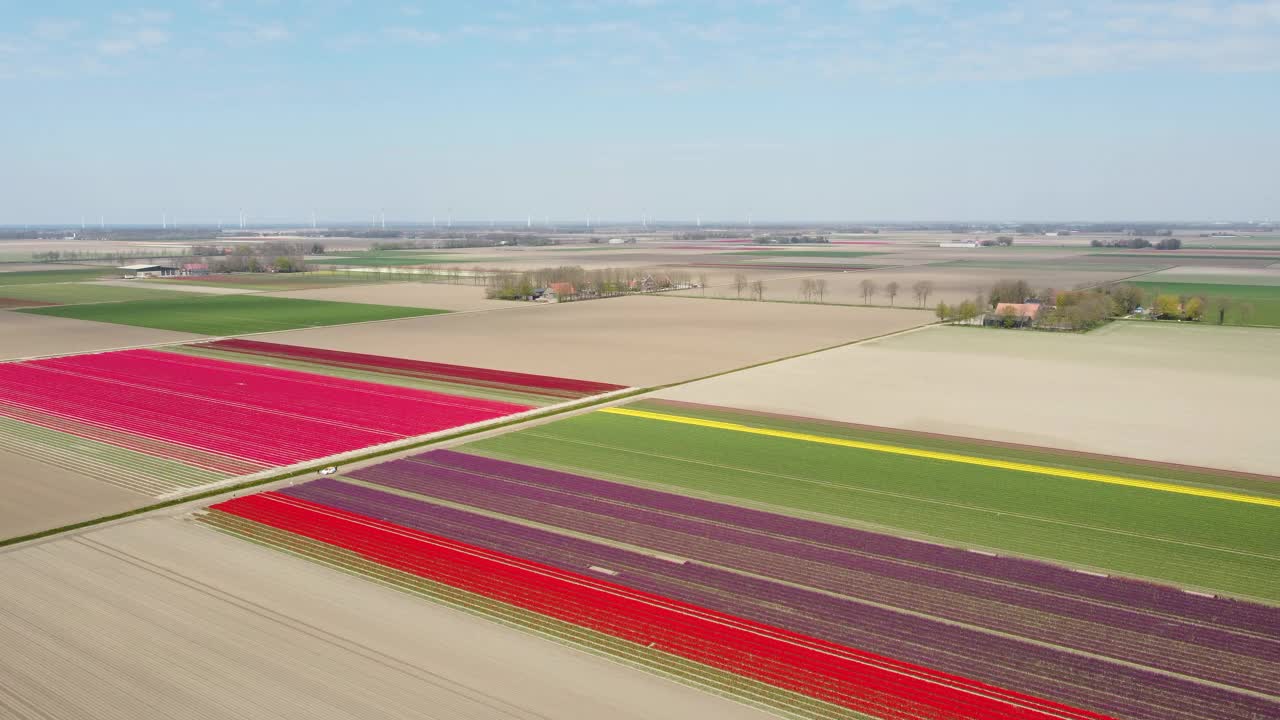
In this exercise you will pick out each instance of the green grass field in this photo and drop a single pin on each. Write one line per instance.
(1265, 300)
(1203, 542)
(70, 293)
(41, 277)
(230, 314)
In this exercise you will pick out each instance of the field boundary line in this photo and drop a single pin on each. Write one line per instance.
(950, 457)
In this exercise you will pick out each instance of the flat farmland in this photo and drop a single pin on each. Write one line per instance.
(37, 495)
(163, 424)
(165, 618)
(229, 314)
(1191, 527)
(72, 293)
(1133, 389)
(24, 335)
(1252, 304)
(1217, 275)
(950, 284)
(407, 294)
(635, 341)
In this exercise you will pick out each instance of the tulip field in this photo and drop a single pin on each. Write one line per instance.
(816, 619)
(158, 423)
(481, 382)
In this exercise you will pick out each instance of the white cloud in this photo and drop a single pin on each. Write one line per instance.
(413, 35)
(54, 29)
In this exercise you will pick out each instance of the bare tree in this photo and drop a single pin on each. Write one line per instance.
(892, 290)
(702, 283)
(739, 283)
(806, 290)
(757, 289)
(922, 289)
(820, 289)
(868, 289)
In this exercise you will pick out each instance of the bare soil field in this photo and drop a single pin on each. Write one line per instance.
(1172, 393)
(23, 335)
(164, 618)
(639, 340)
(37, 496)
(37, 267)
(950, 285)
(406, 294)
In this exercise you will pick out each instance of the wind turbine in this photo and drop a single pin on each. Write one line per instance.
(164, 220)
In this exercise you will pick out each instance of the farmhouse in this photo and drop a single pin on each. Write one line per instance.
(1022, 314)
(143, 271)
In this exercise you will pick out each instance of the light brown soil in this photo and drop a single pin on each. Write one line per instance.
(639, 341)
(1187, 395)
(950, 285)
(164, 618)
(35, 496)
(23, 335)
(406, 294)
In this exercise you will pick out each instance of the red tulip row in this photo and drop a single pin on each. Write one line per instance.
(844, 676)
(442, 372)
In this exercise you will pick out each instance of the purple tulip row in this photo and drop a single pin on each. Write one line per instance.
(1075, 679)
(1151, 597)
(1193, 647)
(1050, 613)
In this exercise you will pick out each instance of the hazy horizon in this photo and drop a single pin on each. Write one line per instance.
(784, 111)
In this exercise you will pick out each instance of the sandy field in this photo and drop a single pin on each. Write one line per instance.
(638, 340)
(1202, 396)
(406, 294)
(23, 335)
(951, 285)
(164, 618)
(172, 286)
(38, 267)
(37, 496)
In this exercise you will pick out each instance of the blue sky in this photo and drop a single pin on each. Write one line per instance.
(781, 109)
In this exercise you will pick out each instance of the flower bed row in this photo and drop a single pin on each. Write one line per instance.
(249, 413)
(442, 372)
(841, 675)
(1080, 680)
(1195, 646)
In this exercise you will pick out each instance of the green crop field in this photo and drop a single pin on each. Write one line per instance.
(231, 314)
(1250, 304)
(1197, 541)
(70, 293)
(41, 277)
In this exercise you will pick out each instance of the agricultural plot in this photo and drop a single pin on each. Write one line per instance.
(271, 282)
(407, 294)
(480, 382)
(81, 292)
(23, 335)
(1200, 530)
(905, 628)
(949, 283)
(56, 275)
(634, 341)
(163, 618)
(1133, 389)
(1249, 304)
(163, 423)
(229, 314)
